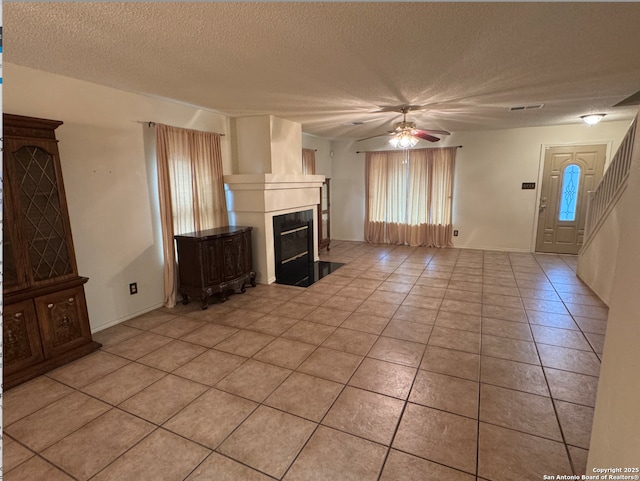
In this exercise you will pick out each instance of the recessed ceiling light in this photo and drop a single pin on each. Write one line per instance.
(592, 119)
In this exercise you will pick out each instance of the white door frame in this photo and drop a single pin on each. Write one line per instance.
(543, 151)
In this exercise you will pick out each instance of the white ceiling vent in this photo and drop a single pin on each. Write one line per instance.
(527, 107)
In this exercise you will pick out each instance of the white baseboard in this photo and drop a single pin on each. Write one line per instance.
(496, 249)
(126, 318)
(484, 248)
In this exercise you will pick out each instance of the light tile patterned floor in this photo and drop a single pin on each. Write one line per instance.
(406, 363)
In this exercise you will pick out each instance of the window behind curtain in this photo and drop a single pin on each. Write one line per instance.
(181, 195)
(191, 190)
(308, 161)
(196, 178)
(409, 197)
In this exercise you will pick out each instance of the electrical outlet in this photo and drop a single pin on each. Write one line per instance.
(133, 288)
(455, 233)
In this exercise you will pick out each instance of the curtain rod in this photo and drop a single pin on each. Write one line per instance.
(449, 146)
(153, 124)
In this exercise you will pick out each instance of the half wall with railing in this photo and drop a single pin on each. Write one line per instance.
(597, 258)
(613, 181)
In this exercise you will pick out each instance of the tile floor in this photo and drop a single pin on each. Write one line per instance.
(405, 364)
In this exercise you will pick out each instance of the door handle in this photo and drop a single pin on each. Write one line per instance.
(543, 203)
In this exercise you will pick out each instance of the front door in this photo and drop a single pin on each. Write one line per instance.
(569, 173)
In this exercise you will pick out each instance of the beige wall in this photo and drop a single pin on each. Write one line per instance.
(253, 147)
(268, 144)
(110, 184)
(598, 257)
(347, 191)
(490, 209)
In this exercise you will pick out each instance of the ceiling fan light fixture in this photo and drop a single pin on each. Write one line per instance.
(592, 119)
(403, 140)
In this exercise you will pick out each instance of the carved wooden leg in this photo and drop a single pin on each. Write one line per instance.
(204, 301)
(243, 289)
(205, 294)
(185, 299)
(252, 276)
(223, 291)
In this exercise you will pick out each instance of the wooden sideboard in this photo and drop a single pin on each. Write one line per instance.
(214, 261)
(46, 323)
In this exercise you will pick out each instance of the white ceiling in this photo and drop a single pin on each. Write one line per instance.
(328, 64)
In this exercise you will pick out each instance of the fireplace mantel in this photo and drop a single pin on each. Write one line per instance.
(272, 181)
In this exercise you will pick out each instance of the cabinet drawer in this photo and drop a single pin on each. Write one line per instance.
(21, 336)
(64, 322)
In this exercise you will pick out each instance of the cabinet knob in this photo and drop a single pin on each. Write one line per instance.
(50, 306)
(17, 314)
(71, 299)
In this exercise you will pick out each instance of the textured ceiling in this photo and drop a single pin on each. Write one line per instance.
(327, 65)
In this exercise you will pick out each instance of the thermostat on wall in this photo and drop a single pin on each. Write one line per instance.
(528, 185)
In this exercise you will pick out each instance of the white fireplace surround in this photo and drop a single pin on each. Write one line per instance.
(253, 200)
(269, 183)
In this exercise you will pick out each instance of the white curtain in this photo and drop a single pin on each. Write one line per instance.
(191, 190)
(409, 196)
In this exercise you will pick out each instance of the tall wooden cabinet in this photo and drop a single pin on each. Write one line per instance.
(324, 216)
(46, 323)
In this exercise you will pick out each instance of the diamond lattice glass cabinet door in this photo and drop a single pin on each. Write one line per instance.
(9, 270)
(42, 213)
(12, 277)
(324, 216)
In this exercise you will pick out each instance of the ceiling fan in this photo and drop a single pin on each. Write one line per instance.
(406, 134)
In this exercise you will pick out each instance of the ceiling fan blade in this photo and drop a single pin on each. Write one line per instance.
(374, 136)
(421, 134)
(436, 132)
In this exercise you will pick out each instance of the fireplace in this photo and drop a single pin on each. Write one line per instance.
(269, 182)
(293, 245)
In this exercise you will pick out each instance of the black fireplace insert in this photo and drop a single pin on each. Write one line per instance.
(293, 243)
